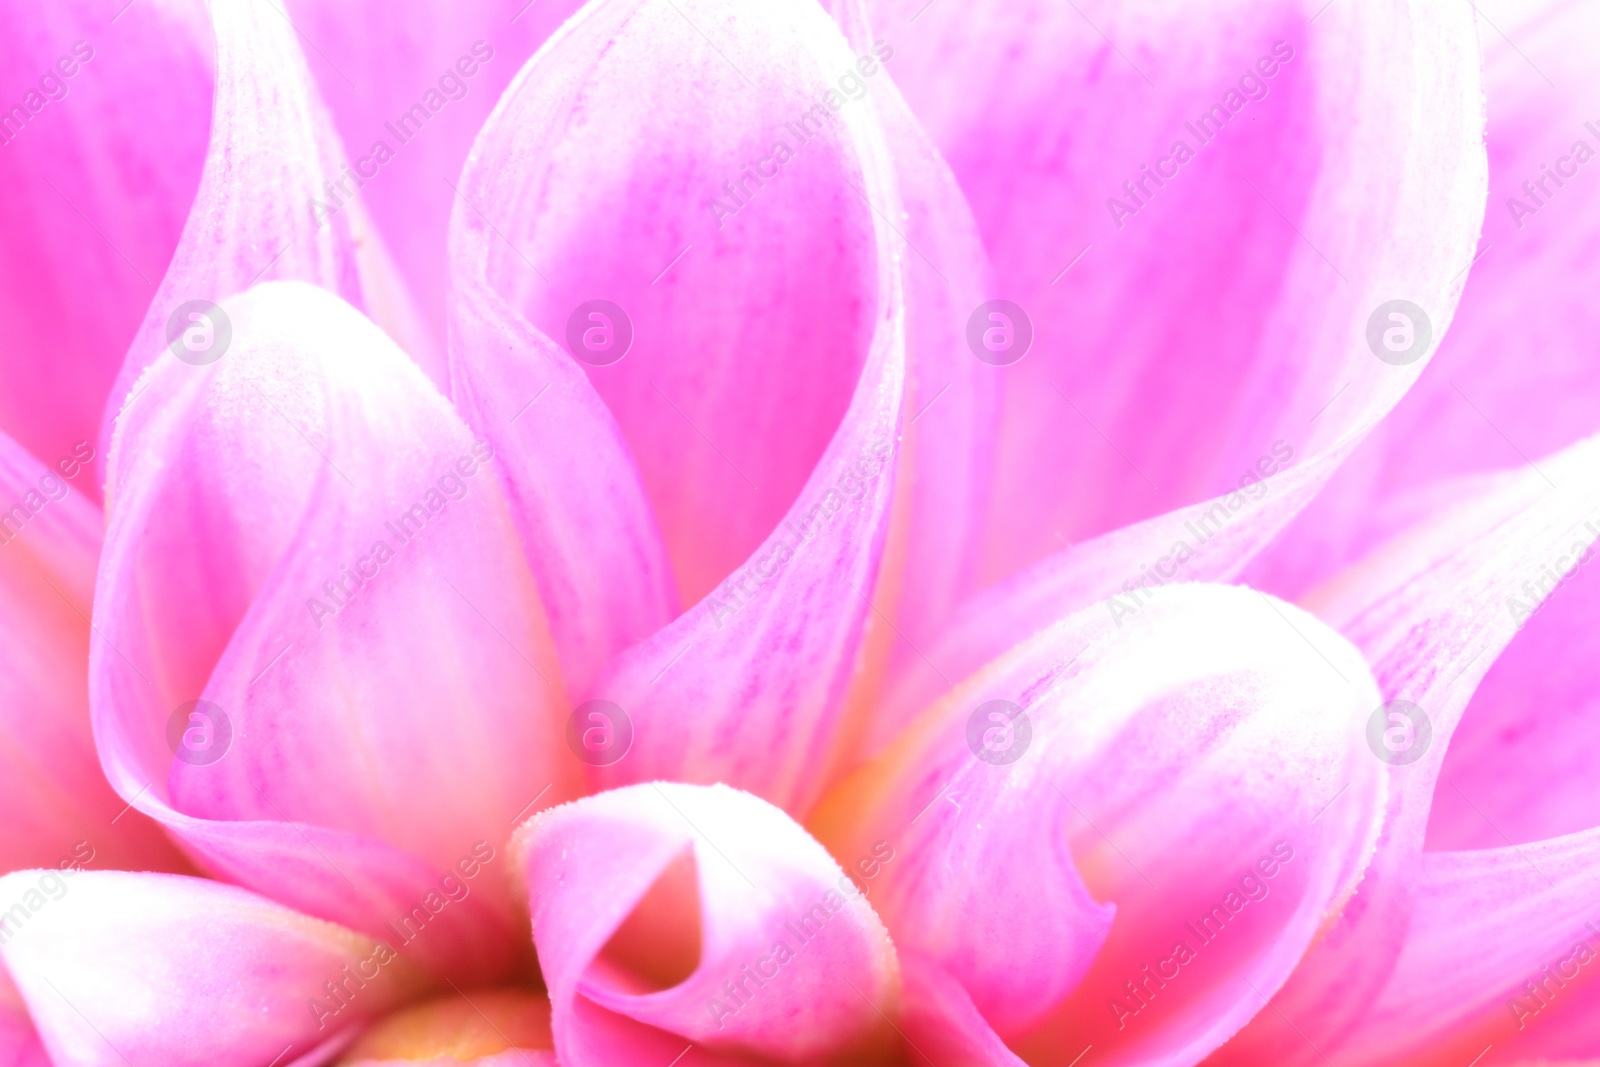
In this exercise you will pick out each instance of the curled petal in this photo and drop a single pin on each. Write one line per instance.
(305, 539)
(99, 176)
(120, 968)
(724, 345)
(666, 913)
(1198, 768)
(1430, 612)
(260, 212)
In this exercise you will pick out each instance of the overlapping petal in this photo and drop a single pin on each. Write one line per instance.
(667, 914)
(103, 119)
(1516, 376)
(728, 344)
(1201, 765)
(1430, 612)
(1213, 346)
(305, 538)
(119, 968)
(486, 1028)
(256, 215)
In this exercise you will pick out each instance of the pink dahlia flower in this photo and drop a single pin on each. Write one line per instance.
(703, 532)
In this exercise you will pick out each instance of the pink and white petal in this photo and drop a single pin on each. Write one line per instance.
(55, 803)
(587, 528)
(761, 664)
(667, 913)
(726, 348)
(1502, 953)
(120, 968)
(19, 1042)
(501, 1027)
(1430, 612)
(259, 213)
(1197, 767)
(1358, 179)
(1484, 406)
(99, 177)
(418, 79)
(948, 434)
(304, 537)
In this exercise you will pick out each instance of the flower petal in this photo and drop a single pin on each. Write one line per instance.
(103, 142)
(409, 86)
(1502, 951)
(487, 1028)
(120, 968)
(762, 663)
(302, 536)
(666, 913)
(1200, 764)
(55, 804)
(255, 216)
(1429, 611)
(1357, 180)
(1485, 406)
